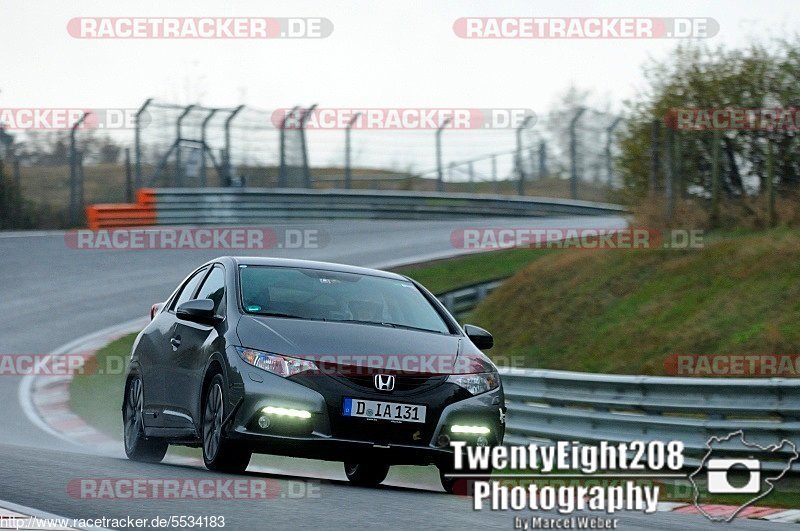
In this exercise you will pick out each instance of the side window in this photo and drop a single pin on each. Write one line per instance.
(188, 289)
(214, 288)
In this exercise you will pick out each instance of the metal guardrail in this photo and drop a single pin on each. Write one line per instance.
(546, 406)
(177, 206)
(462, 300)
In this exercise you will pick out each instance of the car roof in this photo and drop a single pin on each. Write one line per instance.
(307, 264)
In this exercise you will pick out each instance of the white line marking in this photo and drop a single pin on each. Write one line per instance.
(25, 394)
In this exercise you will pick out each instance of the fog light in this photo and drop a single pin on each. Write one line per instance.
(470, 430)
(481, 441)
(263, 422)
(443, 441)
(286, 412)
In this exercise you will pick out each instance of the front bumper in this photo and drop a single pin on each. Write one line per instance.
(329, 435)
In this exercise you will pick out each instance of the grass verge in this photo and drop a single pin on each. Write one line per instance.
(626, 312)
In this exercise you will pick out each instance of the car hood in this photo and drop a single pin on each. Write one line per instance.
(352, 344)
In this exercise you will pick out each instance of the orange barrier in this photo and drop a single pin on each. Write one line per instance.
(116, 215)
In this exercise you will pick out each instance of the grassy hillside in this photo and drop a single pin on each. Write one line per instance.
(626, 311)
(453, 273)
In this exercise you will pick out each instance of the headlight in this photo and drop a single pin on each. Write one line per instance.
(476, 383)
(275, 363)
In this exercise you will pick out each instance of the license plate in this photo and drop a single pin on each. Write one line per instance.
(373, 409)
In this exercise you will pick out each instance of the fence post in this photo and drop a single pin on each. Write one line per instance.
(542, 159)
(609, 158)
(137, 139)
(573, 153)
(348, 178)
(304, 147)
(128, 177)
(17, 180)
(227, 177)
(771, 218)
(655, 136)
(520, 164)
(471, 171)
(439, 175)
(81, 179)
(283, 171)
(74, 161)
(204, 148)
(495, 184)
(669, 182)
(178, 140)
(715, 177)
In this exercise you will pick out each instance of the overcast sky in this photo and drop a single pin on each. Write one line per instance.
(381, 53)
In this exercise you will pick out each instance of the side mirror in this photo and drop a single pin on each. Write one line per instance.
(197, 311)
(480, 337)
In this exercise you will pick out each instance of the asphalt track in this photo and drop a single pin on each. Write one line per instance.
(51, 294)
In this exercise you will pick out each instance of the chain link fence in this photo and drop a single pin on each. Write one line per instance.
(566, 154)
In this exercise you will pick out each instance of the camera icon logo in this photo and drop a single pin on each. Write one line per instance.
(726, 473)
(720, 470)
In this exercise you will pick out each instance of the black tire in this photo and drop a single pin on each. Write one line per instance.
(366, 474)
(137, 446)
(219, 452)
(462, 486)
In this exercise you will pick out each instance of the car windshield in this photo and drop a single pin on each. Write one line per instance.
(335, 296)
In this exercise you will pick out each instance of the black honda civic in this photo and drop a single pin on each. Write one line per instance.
(309, 359)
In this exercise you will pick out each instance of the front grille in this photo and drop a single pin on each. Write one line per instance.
(402, 384)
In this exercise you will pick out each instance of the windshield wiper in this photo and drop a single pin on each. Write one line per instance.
(409, 327)
(390, 325)
(360, 321)
(288, 316)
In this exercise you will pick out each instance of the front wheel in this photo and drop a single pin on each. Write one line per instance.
(137, 446)
(219, 452)
(366, 474)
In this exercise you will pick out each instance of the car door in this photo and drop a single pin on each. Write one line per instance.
(155, 360)
(193, 344)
